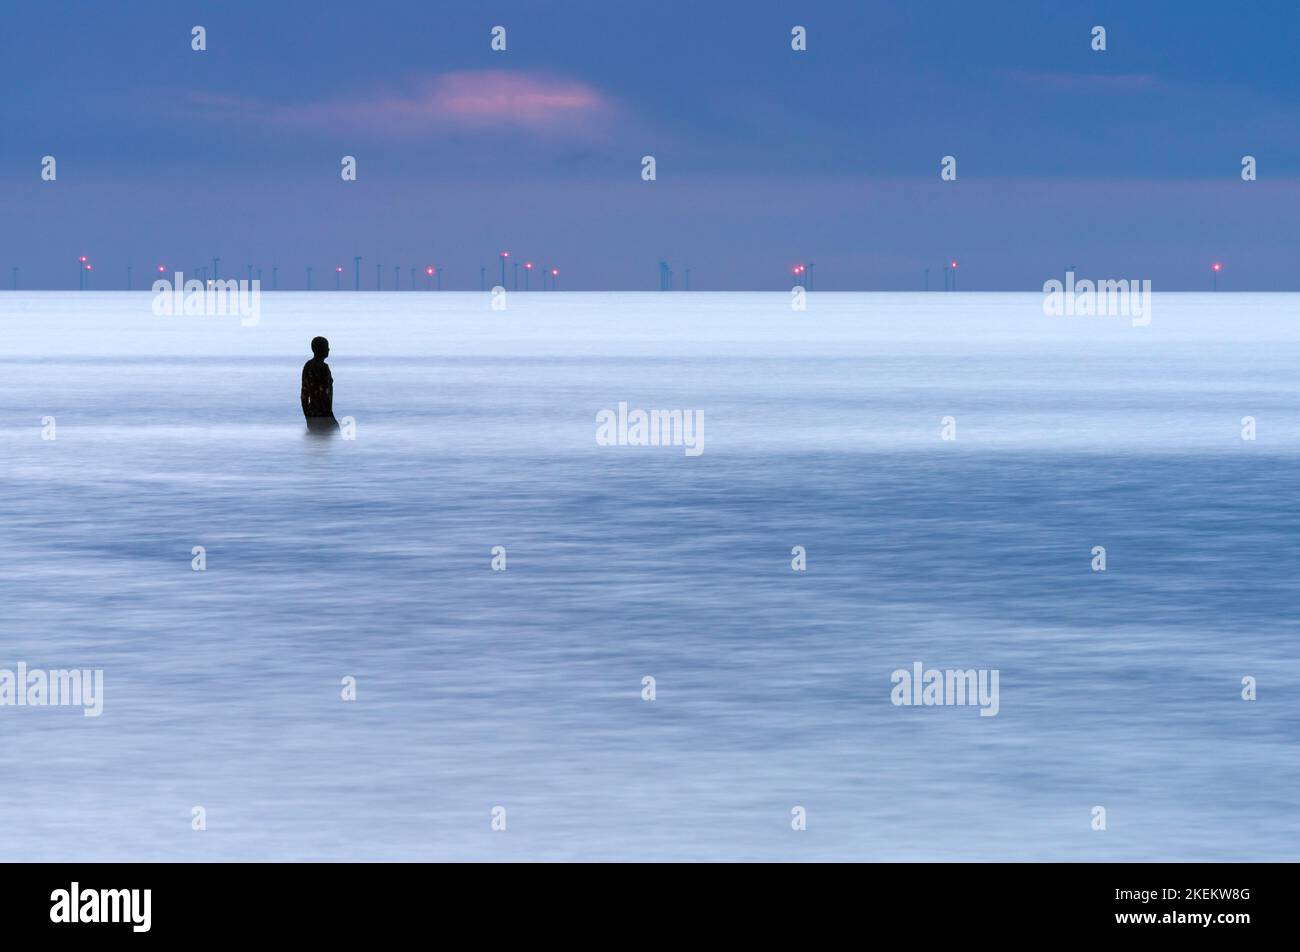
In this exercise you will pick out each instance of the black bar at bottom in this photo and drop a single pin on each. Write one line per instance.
(1216, 902)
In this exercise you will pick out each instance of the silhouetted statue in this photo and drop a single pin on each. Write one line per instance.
(318, 390)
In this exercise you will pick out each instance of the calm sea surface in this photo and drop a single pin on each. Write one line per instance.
(370, 558)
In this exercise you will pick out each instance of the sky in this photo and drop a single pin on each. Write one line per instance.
(1123, 164)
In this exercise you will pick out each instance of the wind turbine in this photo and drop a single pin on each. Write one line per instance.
(356, 272)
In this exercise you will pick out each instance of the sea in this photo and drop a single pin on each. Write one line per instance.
(466, 629)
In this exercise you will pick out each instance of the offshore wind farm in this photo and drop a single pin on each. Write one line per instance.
(800, 275)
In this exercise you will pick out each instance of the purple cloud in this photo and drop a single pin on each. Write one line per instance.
(472, 99)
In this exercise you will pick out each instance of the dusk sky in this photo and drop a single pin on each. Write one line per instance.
(1124, 163)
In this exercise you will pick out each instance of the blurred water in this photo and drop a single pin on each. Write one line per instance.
(476, 428)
